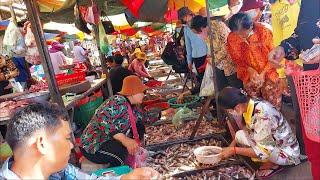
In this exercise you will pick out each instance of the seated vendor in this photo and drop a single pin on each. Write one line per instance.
(108, 138)
(117, 73)
(137, 66)
(40, 137)
(266, 137)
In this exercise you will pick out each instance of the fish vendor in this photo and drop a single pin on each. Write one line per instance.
(265, 134)
(40, 137)
(117, 127)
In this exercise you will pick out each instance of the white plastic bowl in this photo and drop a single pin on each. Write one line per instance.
(208, 159)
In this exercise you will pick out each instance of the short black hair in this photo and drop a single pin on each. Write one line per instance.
(32, 118)
(230, 97)
(110, 59)
(198, 22)
(240, 21)
(118, 59)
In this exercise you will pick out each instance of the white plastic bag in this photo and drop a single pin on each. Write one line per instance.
(207, 85)
(32, 54)
(11, 38)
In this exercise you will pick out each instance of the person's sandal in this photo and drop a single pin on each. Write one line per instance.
(268, 173)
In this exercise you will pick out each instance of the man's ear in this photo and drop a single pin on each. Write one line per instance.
(41, 144)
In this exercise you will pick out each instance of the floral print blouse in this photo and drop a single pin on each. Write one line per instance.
(252, 52)
(270, 134)
(111, 118)
(222, 58)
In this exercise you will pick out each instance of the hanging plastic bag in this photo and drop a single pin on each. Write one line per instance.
(11, 40)
(32, 53)
(103, 40)
(92, 14)
(207, 85)
(181, 115)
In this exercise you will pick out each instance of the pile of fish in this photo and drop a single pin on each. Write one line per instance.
(225, 173)
(178, 158)
(168, 132)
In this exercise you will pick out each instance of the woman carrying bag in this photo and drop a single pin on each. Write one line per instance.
(117, 128)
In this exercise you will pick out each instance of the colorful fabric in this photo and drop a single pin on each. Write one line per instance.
(252, 52)
(111, 118)
(268, 90)
(270, 135)
(138, 68)
(222, 58)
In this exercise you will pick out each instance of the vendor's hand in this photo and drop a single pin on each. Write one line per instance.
(167, 112)
(131, 145)
(151, 78)
(180, 99)
(316, 59)
(227, 152)
(142, 173)
(190, 67)
(276, 55)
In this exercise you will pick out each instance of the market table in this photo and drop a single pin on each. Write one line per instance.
(96, 84)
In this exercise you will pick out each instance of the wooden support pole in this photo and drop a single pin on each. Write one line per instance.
(206, 106)
(33, 15)
(204, 109)
(211, 39)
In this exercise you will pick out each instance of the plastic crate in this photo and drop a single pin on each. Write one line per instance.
(69, 79)
(84, 113)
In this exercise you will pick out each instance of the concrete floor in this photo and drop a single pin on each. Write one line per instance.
(300, 172)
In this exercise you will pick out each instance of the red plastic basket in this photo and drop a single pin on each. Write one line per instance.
(160, 105)
(153, 83)
(307, 84)
(68, 79)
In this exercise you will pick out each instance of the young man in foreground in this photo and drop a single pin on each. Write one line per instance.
(40, 138)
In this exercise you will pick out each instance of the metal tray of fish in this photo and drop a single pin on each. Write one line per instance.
(176, 157)
(163, 133)
(224, 171)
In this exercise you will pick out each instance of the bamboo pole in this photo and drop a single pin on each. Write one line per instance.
(33, 15)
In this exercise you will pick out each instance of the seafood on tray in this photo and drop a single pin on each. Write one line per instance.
(225, 173)
(168, 132)
(179, 158)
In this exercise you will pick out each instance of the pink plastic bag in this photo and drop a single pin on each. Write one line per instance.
(139, 159)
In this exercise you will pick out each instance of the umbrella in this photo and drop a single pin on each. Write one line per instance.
(193, 5)
(166, 11)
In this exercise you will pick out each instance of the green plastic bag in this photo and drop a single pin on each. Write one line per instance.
(103, 41)
(181, 115)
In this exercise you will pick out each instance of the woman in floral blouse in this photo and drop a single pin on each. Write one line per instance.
(248, 45)
(266, 136)
(108, 138)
